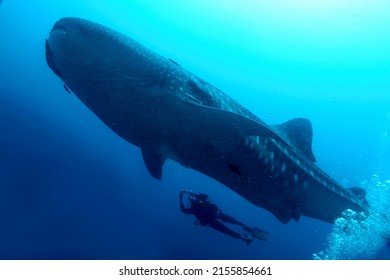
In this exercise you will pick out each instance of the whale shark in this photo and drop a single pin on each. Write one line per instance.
(170, 113)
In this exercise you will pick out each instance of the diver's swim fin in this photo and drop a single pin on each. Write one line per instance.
(256, 232)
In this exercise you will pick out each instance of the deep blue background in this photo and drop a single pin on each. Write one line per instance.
(71, 188)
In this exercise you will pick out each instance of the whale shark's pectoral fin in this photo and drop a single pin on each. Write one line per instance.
(225, 130)
(154, 162)
(298, 133)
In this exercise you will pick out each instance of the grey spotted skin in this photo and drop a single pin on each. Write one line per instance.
(169, 113)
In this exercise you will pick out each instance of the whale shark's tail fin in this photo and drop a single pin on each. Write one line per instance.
(256, 232)
(360, 193)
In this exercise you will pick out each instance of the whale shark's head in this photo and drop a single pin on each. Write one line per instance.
(91, 58)
(125, 84)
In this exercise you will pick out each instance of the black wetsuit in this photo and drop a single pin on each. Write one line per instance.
(208, 214)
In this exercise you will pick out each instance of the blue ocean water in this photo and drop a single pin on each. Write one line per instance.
(72, 189)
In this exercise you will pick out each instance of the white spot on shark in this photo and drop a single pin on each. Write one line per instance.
(283, 167)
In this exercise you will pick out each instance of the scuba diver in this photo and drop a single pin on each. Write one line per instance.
(208, 214)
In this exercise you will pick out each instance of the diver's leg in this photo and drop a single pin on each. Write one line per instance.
(215, 224)
(228, 219)
(253, 231)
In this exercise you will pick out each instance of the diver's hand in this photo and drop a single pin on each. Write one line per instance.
(183, 191)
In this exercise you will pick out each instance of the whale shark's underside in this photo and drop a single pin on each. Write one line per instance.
(169, 113)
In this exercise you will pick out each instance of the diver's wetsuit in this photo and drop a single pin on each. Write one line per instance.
(208, 214)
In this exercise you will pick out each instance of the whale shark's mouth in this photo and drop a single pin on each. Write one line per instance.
(50, 59)
(59, 26)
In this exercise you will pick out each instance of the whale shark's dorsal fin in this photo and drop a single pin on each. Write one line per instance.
(154, 162)
(298, 133)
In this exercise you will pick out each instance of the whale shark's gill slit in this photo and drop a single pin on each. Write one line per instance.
(204, 97)
(193, 98)
(50, 60)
